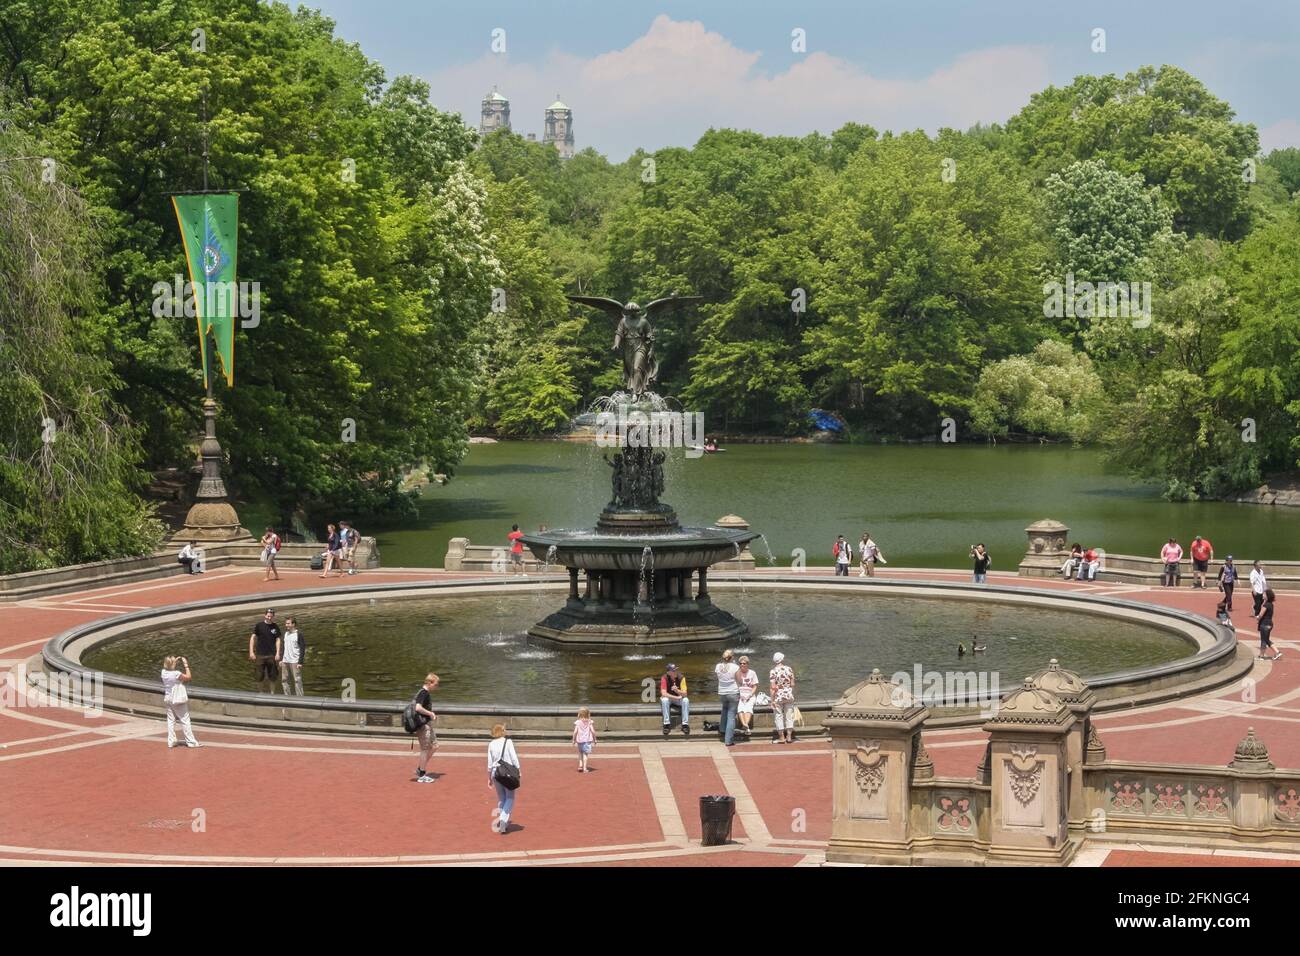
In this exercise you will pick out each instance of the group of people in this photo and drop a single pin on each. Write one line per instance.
(1262, 603)
(738, 695)
(340, 548)
(869, 554)
(503, 765)
(1082, 564)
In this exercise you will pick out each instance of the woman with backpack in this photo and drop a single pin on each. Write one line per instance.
(503, 775)
(422, 716)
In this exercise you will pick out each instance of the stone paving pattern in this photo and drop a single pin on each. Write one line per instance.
(106, 790)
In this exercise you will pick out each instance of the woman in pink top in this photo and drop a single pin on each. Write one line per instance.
(584, 737)
(1171, 554)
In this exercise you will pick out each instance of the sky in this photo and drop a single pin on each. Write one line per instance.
(656, 74)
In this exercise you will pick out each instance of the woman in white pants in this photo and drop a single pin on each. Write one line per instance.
(502, 750)
(175, 675)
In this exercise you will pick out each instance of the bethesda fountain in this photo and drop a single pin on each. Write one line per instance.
(646, 576)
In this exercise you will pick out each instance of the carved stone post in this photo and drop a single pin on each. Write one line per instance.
(211, 517)
(1070, 688)
(873, 729)
(1030, 784)
(1048, 549)
(1252, 805)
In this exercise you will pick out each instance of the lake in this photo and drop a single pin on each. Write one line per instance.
(925, 505)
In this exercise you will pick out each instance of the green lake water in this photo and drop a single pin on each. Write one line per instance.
(924, 504)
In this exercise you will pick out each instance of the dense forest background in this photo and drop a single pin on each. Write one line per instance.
(896, 278)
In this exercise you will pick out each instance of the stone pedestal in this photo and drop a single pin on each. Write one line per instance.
(1253, 787)
(1028, 768)
(1048, 548)
(743, 561)
(874, 732)
(212, 518)
(1070, 689)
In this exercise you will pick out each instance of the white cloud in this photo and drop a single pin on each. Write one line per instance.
(1279, 135)
(670, 85)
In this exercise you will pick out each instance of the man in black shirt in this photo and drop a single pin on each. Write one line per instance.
(425, 735)
(265, 645)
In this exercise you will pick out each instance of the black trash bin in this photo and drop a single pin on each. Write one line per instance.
(716, 814)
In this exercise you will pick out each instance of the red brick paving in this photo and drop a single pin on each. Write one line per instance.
(1152, 858)
(299, 800)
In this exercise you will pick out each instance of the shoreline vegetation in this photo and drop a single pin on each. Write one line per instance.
(1114, 264)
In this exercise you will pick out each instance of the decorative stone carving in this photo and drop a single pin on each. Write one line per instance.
(1251, 755)
(1211, 801)
(1096, 749)
(869, 766)
(1127, 797)
(1168, 800)
(954, 814)
(1025, 772)
(1287, 805)
(922, 763)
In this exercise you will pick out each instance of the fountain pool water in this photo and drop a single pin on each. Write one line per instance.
(480, 646)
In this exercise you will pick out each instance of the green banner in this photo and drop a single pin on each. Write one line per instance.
(210, 231)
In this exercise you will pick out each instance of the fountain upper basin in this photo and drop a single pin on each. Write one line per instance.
(680, 548)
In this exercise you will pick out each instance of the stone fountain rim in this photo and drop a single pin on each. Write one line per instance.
(1216, 643)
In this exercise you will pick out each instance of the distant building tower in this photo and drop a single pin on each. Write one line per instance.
(496, 113)
(559, 127)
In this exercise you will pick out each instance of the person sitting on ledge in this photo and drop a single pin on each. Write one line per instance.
(1089, 564)
(1071, 565)
(672, 693)
(187, 556)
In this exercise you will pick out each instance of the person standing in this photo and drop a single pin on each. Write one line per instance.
(979, 554)
(747, 683)
(1202, 554)
(175, 675)
(502, 751)
(584, 737)
(1258, 585)
(843, 552)
(292, 658)
(1227, 581)
(425, 735)
(672, 693)
(187, 556)
(869, 553)
(270, 548)
(349, 538)
(265, 646)
(1171, 554)
(1265, 618)
(516, 549)
(333, 550)
(728, 697)
(781, 685)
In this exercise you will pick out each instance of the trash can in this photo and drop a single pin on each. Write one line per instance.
(715, 820)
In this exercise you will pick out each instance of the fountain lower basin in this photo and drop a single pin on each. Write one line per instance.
(640, 589)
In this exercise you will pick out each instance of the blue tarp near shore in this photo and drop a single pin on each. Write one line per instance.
(825, 421)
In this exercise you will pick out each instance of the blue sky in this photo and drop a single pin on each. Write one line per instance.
(660, 74)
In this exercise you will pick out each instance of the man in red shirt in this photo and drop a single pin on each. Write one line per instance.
(516, 548)
(1202, 555)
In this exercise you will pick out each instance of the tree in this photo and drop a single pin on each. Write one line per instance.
(1161, 123)
(923, 278)
(360, 222)
(1052, 392)
(69, 472)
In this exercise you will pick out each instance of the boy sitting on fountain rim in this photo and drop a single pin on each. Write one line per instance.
(672, 693)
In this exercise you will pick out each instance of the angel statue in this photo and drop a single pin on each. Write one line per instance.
(635, 337)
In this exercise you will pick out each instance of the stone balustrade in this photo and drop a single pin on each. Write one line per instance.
(1043, 788)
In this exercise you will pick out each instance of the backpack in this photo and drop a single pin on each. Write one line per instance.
(275, 543)
(412, 719)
